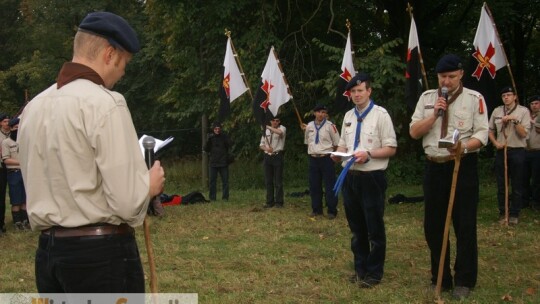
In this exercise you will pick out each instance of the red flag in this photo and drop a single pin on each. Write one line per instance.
(488, 48)
(273, 91)
(347, 72)
(233, 85)
(413, 74)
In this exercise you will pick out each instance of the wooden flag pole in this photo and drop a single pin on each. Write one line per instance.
(422, 68)
(228, 34)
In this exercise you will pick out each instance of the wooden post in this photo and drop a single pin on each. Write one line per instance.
(204, 172)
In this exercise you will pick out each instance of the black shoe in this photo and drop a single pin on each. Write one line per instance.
(278, 205)
(3, 229)
(314, 214)
(268, 205)
(331, 216)
(369, 282)
(355, 278)
(461, 292)
(19, 226)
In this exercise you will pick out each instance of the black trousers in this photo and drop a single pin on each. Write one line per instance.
(273, 176)
(90, 264)
(437, 185)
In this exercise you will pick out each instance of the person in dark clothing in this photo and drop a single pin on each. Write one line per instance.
(217, 145)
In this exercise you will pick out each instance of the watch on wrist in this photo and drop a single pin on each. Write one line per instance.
(368, 158)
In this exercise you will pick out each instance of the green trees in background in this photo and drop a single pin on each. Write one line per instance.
(175, 78)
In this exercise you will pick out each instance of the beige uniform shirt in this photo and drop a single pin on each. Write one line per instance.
(10, 149)
(512, 138)
(533, 143)
(467, 114)
(2, 137)
(274, 140)
(328, 138)
(377, 132)
(80, 158)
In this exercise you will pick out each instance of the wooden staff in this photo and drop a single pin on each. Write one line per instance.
(447, 223)
(149, 156)
(505, 182)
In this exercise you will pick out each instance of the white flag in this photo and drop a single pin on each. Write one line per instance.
(274, 85)
(489, 51)
(233, 83)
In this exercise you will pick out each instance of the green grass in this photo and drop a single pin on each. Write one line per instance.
(238, 252)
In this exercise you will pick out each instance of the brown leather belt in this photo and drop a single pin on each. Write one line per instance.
(440, 159)
(104, 229)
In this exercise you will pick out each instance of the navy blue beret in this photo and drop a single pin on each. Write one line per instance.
(534, 98)
(320, 107)
(3, 116)
(449, 63)
(356, 80)
(14, 121)
(113, 28)
(216, 124)
(507, 89)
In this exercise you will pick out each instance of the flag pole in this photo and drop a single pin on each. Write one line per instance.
(228, 34)
(288, 88)
(424, 74)
(502, 48)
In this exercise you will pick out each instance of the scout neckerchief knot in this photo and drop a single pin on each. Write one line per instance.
(360, 118)
(317, 129)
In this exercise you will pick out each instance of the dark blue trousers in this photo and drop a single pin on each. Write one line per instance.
(363, 199)
(3, 187)
(273, 177)
(437, 185)
(515, 165)
(532, 178)
(321, 170)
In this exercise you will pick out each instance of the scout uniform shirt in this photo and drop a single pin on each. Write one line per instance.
(467, 114)
(533, 143)
(512, 138)
(377, 132)
(10, 149)
(274, 140)
(80, 158)
(328, 138)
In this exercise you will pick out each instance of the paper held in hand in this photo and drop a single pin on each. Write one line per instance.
(450, 140)
(159, 143)
(344, 156)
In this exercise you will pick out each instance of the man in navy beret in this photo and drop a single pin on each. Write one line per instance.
(86, 179)
(367, 134)
(438, 114)
(531, 195)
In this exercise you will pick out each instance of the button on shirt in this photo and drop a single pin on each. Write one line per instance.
(512, 138)
(467, 114)
(274, 140)
(377, 132)
(328, 138)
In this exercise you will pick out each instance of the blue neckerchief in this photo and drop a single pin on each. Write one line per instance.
(348, 165)
(317, 130)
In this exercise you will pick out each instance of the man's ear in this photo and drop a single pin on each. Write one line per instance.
(108, 54)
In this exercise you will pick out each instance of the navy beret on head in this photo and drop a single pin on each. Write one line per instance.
(356, 80)
(216, 124)
(534, 98)
(3, 116)
(14, 121)
(320, 107)
(449, 63)
(507, 89)
(113, 28)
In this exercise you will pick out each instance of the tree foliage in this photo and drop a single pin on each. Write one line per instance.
(174, 80)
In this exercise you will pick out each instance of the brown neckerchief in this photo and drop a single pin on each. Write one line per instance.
(444, 125)
(505, 124)
(72, 71)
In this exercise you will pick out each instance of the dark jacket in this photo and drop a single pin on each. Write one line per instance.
(218, 147)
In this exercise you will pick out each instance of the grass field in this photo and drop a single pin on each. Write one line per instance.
(238, 252)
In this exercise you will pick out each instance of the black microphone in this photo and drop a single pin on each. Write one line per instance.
(148, 144)
(444, 93)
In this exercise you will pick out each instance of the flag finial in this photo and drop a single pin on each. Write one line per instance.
(227, 33)
(348, 24)
(409, 8)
